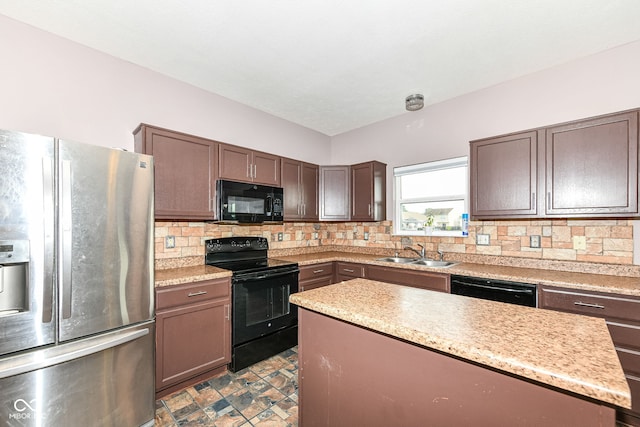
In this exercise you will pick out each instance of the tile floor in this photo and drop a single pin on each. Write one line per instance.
(264, 394)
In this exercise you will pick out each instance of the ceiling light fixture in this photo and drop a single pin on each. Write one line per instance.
(414, 102)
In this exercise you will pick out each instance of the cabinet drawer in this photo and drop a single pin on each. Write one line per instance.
(172, 296)
(349, 270)
(416, 279)
(634, 385)
(625, 335)
(317, 270)
(630, 360)
(617, 307)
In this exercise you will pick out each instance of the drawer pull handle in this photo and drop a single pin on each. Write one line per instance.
(348, 270)
(195, 294)
(586, 304)
(317, 271)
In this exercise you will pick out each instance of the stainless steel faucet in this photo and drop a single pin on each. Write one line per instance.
(441, 253)
(422, 251)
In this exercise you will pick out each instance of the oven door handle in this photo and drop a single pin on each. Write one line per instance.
(496, 288)
(250, 277)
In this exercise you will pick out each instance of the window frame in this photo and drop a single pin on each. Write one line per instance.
(399, 171)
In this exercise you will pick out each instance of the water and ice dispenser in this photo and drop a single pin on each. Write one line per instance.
(14, 280)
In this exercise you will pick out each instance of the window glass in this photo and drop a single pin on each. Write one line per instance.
(431, 195)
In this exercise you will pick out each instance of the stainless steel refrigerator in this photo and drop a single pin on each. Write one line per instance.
(76, 284)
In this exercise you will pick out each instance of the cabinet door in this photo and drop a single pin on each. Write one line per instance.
(310, 177)
(291, 173)
(235, 163)
(241, 164)
(190, 340)
(592, 166)
(317, 282)
(368, 182)
(503, 176)
(334, 193)
(416, 279)
(185, 169)
(266, 169)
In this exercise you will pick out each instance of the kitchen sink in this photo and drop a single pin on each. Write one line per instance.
(416, 261)
(433, 263)
(396, 259)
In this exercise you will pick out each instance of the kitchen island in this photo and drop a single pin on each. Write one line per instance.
(372, 353)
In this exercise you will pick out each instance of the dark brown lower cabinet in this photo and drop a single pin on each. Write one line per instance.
(349, 270)
(416, 279)
(193, 333)
(315, 276)
(622, 314)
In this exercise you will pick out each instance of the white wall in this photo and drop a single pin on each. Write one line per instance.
(594, 85)
(54, 87)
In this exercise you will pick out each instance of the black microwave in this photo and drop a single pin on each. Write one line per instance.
(244, 202)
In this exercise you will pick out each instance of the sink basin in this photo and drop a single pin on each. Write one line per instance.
(400, 260)
(433, 263)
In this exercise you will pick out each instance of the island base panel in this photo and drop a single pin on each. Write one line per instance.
(354, 376)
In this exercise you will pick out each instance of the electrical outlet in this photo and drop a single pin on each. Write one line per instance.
(482, 239)
(315, 236)
(580, 243)
(534, 241)
(280, 236)
(366, 235)
(170, 242)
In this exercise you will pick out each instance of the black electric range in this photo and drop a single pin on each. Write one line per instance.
(264, 323)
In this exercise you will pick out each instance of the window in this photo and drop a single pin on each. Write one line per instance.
(434, 190)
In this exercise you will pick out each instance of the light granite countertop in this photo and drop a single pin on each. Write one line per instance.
(629, 286)
(581, 281)
(571, 352)
(178, 276)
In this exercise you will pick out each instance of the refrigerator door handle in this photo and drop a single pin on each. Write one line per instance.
(32, 361)
(65, 238)
(47, 294)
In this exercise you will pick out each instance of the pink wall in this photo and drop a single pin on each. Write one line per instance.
(594, 85)
(55, 87)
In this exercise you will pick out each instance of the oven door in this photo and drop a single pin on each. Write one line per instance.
(261, 303)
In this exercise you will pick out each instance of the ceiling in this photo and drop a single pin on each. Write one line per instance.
(337, 65)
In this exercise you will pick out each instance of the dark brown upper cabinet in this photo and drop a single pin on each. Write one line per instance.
(185, 171)
(592, 166)
(242, 164)
(335, 200)
(503, 176)
(300, 183)
(585, 168)
(368, 195)
(353, 193)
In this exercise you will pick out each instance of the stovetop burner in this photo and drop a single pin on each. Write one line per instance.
(242, 255)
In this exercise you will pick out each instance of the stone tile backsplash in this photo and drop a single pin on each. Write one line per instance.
(604, 246)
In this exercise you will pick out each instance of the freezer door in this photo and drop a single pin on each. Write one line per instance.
(26, 241)
(105, 244)
(105, 380)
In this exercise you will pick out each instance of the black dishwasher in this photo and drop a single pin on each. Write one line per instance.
(495, 290)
